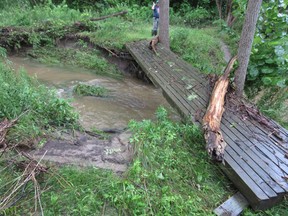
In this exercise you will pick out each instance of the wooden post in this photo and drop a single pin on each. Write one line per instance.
(164, 23)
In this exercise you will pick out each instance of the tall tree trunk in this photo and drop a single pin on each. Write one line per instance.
(219, 7)
(229, 16)
(164, 23)
(245, 44)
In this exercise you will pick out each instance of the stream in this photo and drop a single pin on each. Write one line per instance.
(127, 99)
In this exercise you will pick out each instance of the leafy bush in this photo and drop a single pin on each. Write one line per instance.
(194, 16)
(87, 90)
(269, 59)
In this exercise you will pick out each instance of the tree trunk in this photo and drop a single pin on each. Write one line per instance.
(245, 44)
(212, 119)
(219, 7)
(108, 16)
(164, 23)
(229, 16)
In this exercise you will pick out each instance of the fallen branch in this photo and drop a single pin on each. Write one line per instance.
(212, 119)
(4, 126)
(108, 16)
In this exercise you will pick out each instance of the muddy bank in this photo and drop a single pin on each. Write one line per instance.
(85, 150)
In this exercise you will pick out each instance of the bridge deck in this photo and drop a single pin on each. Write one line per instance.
(256, 161)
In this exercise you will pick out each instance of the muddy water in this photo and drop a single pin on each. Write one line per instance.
(127, 99)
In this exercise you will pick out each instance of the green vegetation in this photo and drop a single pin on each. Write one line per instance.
(201, 48)
(37, 107)
(82, 57)
(87, 90)
(269, 59)
(170, 175)
(273, 102)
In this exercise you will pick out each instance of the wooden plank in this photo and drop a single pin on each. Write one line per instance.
(243, 181)
(233, 206)
(253, 168)
(161, 82)
(275, 158)
(165, 85)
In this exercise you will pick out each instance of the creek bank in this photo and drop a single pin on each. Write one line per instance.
(83, 149)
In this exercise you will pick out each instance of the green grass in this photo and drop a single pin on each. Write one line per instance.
(87, 90)
(199, 47)
(116, 32)
(272, 102)
(40, 15)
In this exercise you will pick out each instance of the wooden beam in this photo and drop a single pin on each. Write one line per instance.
(233, 206)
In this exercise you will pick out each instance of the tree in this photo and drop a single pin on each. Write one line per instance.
(245, 44)
(164, 23)
(230, 19)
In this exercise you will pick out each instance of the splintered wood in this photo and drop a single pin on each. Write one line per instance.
(212, 119)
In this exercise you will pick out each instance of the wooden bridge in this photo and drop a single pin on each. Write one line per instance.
(256, 159)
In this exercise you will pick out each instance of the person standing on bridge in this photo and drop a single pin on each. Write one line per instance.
(156, 11)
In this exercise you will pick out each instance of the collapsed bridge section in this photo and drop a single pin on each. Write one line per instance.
(256, 158)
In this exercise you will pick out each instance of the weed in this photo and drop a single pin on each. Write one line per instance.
(86, 90)
(41, 108)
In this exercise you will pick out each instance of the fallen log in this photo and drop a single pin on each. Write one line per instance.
(215, 143)
(108, 16)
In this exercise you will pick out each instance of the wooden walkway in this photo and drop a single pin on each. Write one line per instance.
(256, 161)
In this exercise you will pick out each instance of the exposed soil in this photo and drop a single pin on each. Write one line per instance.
(226, 51)
(86, 150)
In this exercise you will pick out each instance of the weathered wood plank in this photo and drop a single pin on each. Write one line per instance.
(259, 144)
(233, 206)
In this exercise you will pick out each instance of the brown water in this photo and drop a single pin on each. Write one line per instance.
(128, 98)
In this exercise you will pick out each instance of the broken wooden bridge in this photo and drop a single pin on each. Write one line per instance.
(256, 158)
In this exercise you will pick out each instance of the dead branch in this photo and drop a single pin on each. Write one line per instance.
(30, 170)
(4, 126)
(212, 119)
(108, 16)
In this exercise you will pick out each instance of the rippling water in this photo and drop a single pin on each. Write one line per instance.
(127, 99)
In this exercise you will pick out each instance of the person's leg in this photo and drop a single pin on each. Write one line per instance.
(155, 26)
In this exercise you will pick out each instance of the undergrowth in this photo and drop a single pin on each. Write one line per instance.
(85, 58)
(272, 102)
(87, 90)
(202, 48)
(37, 107)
